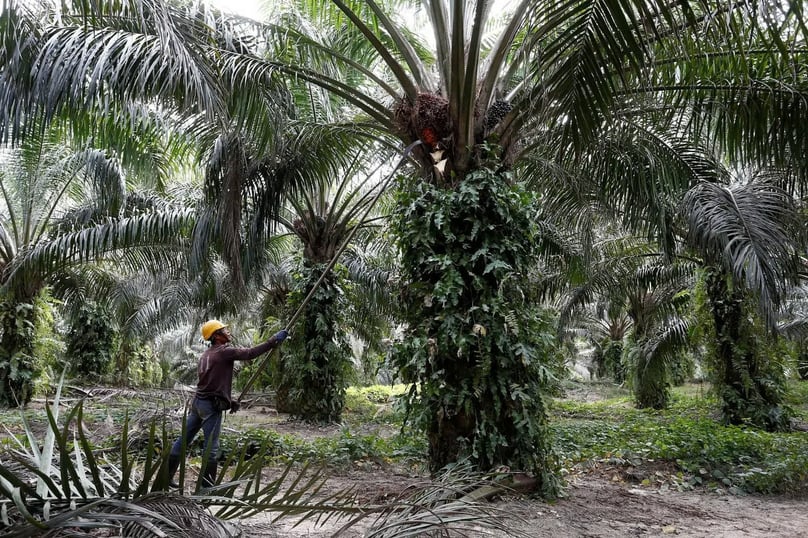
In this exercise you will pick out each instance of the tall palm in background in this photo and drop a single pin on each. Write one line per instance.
(131, 59)
(658, 304)
(603, 326)
(750, 237)
(745, 233)
(643, 327)
(316, 368)
(794, 326)
(49, 226)
(670, 176)
(148, 57)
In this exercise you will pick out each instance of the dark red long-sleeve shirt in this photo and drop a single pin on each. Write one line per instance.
(215, 370)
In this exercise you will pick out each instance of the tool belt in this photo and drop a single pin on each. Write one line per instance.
(222, 404)
(219, 403)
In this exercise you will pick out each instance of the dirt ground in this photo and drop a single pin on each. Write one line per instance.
(595, 506)
(600, 502)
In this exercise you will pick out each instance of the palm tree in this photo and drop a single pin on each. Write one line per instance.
(605, 326)
(485, 390)
(136, 303)
(794, 326)
(47, 228)
(750, 236)
(247, 164)
(642, 301)
(561, 89)
(740, 227)
(90, 340)
(315, 371)
(658, 304)
(558, 84)
(682, 194)
(127, 84)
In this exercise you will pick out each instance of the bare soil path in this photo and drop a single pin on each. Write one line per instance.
(597, 505)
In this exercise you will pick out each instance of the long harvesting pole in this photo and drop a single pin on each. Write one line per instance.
(405, 154)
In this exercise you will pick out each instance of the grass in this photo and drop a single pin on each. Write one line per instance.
(371, 432)
(606, 431)
(688, 435)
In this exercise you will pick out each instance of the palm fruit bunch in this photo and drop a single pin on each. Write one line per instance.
(426, 119)
(432, 117)
(496, 112)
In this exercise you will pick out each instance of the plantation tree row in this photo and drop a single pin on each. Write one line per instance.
(629, 171)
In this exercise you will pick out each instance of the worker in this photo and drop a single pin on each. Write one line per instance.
(212, 397)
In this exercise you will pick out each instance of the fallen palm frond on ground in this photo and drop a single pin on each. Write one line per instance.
(61, 485)
(446, 506)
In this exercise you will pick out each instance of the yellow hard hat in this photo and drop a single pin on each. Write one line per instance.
(210, 327)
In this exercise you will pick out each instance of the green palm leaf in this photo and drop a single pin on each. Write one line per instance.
(93, 242)
(752, 230)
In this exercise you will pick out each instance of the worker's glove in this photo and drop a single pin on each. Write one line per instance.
(280, 336)
(234, 406)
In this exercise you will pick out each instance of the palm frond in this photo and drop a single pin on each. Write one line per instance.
(257, 70)
(85, 490)
(667, 342)
(418, 70)
(752, 230)
(495, 63)
(400, 73)
(581, 41)
(445, 505)
(93, 242)
(613, 269)
(144, 50)
(794, 316)
(20, 37)
(79, 489)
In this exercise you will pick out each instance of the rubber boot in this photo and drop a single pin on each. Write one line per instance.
(173, 465)
(209, 476)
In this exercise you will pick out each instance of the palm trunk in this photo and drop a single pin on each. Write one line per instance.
(122, 363)
(313, 374)
(477, 350)
(613, 361)
(751, 389)
(17, 340)
(650, 376)
(448, 435)
(651, 386)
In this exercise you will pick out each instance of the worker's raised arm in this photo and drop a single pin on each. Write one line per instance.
(249, 353)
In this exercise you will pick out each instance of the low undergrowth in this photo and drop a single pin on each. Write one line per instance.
(685, 445)
(688, 437)
(345, 448)
(705, 453)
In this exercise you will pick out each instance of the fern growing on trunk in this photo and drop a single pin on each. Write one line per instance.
(479, 352)
(313, 372)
